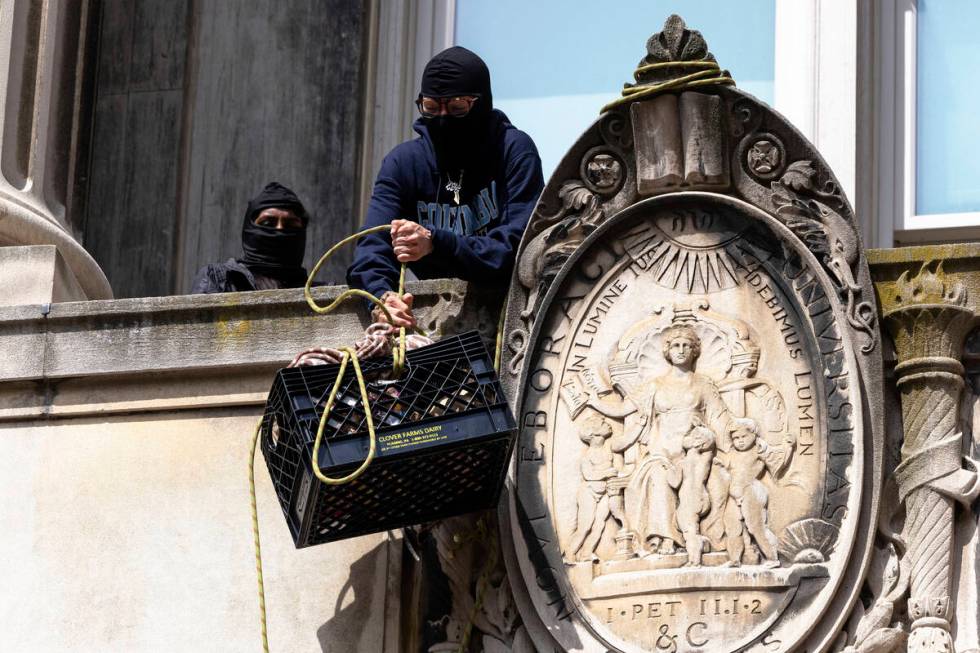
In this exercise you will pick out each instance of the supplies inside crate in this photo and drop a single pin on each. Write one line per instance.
(444, 437)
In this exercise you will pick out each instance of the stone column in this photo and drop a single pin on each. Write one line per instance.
(39, 46)
(928, 320)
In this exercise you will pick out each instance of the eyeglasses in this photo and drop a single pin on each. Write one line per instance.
(457, 107)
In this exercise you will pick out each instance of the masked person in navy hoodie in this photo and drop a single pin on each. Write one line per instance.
(458, 197)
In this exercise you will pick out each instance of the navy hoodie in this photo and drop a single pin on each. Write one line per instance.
(475, 241)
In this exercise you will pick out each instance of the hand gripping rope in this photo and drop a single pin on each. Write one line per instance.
(349, 356)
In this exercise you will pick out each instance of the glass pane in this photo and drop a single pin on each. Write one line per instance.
(947, 129)
(555, 63)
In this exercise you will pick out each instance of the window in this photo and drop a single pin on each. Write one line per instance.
(929, 189)
(947, 132)
(882, 89)
(554, 63)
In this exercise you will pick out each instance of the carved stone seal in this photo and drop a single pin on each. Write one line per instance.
(697, 377)
(692, 442)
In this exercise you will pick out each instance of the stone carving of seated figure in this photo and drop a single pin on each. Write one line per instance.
(676, 432)
(747, 511)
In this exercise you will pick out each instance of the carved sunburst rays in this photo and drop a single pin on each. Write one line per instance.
(808, 540)
(694, 271)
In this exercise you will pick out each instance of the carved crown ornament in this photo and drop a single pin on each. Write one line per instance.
(693, 354)
(677, 58)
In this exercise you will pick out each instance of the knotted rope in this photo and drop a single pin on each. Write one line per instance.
(710, 74)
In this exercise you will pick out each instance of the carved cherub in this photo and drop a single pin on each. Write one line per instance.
(593, 502)
(693, 501)
(747, 515)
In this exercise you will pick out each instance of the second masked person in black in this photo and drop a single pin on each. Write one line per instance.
(273, 245)
(458, 197)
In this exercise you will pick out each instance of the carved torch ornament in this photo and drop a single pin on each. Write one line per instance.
(928, 325)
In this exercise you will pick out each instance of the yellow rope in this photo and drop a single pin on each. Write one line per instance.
(499, 348)
(398, 363)
(482, 583)
(349, 354)
(711, 74)
(673, 64)
(398, 353)
(255, 535)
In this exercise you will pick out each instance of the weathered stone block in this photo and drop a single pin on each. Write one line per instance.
(36, 275)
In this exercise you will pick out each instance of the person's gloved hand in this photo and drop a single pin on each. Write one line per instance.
(400, 308)
(410, 240)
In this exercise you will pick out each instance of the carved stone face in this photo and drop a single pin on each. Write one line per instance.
(680, 351)
(743, 438)
(681, 346)
(596, 430)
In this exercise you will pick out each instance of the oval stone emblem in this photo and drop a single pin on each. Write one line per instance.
(689, 467)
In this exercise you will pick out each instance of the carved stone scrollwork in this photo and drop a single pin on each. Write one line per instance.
(747, 117)
(482, 615)
(928, 324)
(543, 257)
(812, 211)
(876, 630)
(615, 130)
(602, 175)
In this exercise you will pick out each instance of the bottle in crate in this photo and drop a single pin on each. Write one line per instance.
(444, 438)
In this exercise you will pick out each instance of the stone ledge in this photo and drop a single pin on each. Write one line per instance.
(172, 353)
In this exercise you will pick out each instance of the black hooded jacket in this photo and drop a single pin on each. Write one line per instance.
(496, 164)
(271, 258)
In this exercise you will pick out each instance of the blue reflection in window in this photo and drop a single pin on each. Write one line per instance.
(947, 129)
(555, 63)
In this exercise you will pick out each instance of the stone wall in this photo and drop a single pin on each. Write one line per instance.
(127, 427)
(41, 44)
(197, 106)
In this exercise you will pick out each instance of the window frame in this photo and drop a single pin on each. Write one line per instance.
(897, 129)
(402, 37)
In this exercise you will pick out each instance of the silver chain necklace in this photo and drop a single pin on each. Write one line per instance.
(455, 187)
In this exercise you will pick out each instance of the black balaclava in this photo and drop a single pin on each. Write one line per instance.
(453, 72)
(271, 252)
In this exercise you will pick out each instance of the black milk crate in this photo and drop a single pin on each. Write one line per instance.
(444, 438)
